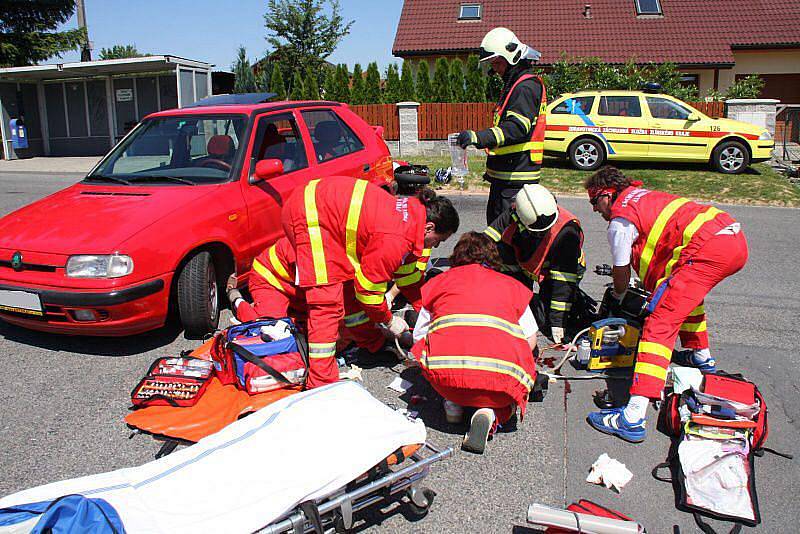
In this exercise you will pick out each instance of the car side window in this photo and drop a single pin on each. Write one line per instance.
(578, 105)
(620, 106)
(332, 138)
(664, 108)
(277, 137)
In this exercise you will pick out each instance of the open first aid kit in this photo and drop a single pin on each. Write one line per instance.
(173, 382)
(262, 355)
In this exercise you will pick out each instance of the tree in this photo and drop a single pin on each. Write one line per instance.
(276, 84)
(373, 85)
(311, 86)
(120, 52)
(358, 91)
(342, 84)
(423, 86)
(329, 84)
(494, 86)
(441, 81)
(263, 78)
(245, 80)
(475, 81)
(748, 87)
(303, 33)
(407, 92)
(391, 93)
(297, 91)
(457, 80)
(27, 33)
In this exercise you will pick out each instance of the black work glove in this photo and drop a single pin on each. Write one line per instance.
(466, 138)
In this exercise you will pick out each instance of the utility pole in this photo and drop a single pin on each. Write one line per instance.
(86, 48)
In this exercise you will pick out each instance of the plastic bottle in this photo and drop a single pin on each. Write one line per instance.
(584, 352)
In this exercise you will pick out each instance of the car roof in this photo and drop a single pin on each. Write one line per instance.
(587, 92)
(243, 109)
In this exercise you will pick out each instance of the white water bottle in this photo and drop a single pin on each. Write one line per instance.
(584, 352)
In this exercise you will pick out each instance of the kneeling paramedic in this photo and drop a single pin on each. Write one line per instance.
(515, 141)
(343, 229)
(542, 242)
(474, 339)
(680, 250)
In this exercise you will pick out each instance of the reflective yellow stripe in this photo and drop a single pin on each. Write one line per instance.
(407, 268)
(493, 234)
(694, 327)
(644, 368)
(268, 276)
(321, 350)
(655, 234)
(512, 176)
(370, 299)
(655, 348)
(314, 233)
(498, 135)
(409, 279)
(355, 319)
(353, 214)
(276, 264)
(557, 305)
(534, 146)
(421, 265)
(526, 122)
(368, 284)
(691, 229)
(563, 277)
(700, 310)
(476, 319)
(480, 363)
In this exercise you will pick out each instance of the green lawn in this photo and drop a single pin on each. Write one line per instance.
(759, 185)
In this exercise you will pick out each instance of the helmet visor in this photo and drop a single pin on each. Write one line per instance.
(542, 223)
(486, 55)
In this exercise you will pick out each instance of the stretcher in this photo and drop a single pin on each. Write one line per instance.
(308, 460)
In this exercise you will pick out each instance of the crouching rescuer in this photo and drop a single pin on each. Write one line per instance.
(680, 249)
(515, 141)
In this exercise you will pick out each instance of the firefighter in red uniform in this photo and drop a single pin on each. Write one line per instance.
(680, 250)
(474, 339)
(343, 229)
(540, 241)
(515, 141)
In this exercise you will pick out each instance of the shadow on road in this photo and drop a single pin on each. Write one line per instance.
(95, 346)
(559, 163)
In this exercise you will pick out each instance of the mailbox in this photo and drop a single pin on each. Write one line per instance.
(19, 134)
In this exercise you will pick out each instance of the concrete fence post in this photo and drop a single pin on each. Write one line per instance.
(408, 115)
(758, 111)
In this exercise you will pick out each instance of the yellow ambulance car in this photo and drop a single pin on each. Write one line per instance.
(592, 127)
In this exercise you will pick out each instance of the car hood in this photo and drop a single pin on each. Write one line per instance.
(730, 125)
(88, 219)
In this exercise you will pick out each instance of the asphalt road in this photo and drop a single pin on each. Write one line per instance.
(62, 399)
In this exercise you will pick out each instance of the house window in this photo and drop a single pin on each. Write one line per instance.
(648, 7)
(470, 12)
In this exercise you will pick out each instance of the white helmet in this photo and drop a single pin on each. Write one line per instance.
(502, 42)
(536, 207)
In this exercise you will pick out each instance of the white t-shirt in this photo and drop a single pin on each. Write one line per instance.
(621, 235)
(527, 322)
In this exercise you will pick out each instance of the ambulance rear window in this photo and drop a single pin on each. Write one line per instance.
(620, 106)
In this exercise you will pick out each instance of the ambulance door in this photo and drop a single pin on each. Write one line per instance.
(671, 131)
(623, 125)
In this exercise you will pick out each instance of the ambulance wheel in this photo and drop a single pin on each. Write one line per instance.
(419, 501)
(586, 154)
(199, 296)
(730, 157)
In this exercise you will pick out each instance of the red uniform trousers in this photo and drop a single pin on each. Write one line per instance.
(681, 304)
(503, 405)
(269, 302)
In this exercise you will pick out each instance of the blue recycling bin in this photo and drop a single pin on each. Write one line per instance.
(19, 134)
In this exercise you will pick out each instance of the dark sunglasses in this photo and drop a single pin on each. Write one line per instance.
(594, 200)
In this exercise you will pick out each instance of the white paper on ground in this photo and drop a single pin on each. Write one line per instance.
(400, 385)
(609, 472)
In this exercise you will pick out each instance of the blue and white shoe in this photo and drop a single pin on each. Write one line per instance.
(687, 358)
(613, 422)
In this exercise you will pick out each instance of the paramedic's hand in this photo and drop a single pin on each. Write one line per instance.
(397, 326)
(466, 138)
(558, 335)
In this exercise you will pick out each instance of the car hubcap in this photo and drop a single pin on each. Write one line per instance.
(731, 158)
(586, 155)
(212, 292)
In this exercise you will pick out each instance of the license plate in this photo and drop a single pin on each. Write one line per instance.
(21, 302)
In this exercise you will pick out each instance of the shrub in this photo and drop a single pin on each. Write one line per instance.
(357, 94)
(441, 81)
(423, 86)
(373, 85)
(475, 81)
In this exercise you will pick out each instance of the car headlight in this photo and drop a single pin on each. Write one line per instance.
(765, 136)
(99, 266)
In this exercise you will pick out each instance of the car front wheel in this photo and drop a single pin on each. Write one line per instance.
(199, 296)
(730, 157)
(586, 154)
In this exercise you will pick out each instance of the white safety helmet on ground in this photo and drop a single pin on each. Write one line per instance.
(504, 43)
(536, 207)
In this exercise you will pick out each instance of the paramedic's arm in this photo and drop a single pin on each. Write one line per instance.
(410, 278)
(378, 262)
(518, 119)
(529, 327)
(564, 259)
(495, 230)
(621, 235)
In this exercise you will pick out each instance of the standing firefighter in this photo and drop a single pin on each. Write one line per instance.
(516, 139)
(680, 250)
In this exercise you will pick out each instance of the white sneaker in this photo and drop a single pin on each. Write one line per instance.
(454, 413)
(479, 427)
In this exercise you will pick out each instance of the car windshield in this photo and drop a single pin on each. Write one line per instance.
(188, 150)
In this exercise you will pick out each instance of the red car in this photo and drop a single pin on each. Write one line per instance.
(187, 198)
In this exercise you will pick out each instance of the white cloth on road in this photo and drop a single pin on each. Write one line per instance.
(609, 472)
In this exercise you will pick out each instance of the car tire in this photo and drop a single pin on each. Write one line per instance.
(730, 157)
(199, 296)
(586, 154)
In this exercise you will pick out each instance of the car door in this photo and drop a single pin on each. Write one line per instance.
(337, 150)
(275, 136)
(671, 131)
(623, 126)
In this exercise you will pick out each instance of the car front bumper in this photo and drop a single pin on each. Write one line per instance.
(762, 150)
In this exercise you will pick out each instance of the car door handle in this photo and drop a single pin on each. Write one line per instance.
(366, 168)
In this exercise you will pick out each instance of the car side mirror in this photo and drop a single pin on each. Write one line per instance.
(693, 117)
(266, 169)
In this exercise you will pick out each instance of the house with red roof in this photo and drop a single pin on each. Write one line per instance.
(713, 42)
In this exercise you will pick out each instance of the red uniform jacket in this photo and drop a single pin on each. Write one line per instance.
(474, 340)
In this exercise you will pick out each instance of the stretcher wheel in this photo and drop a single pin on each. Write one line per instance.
(420, 500)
